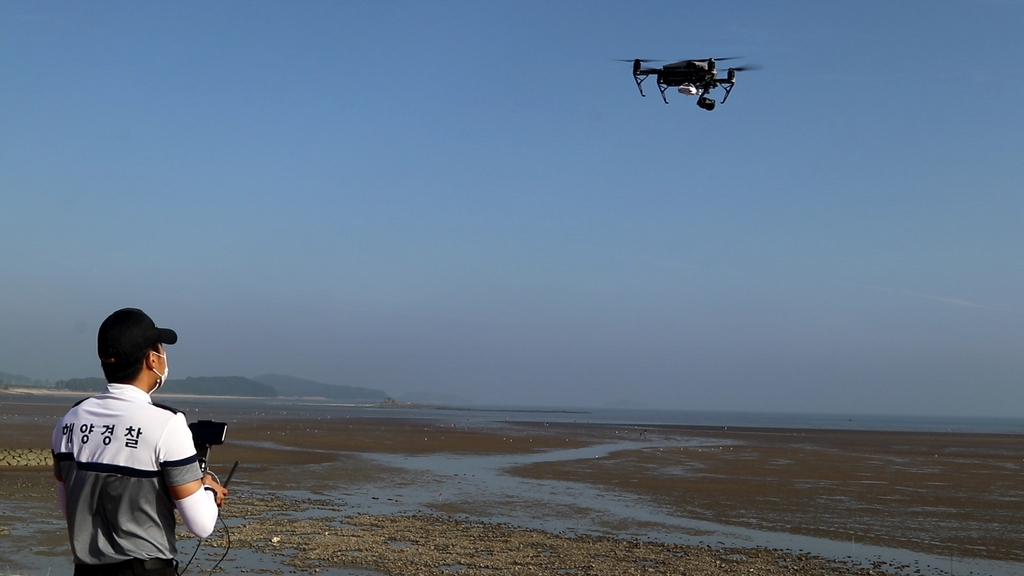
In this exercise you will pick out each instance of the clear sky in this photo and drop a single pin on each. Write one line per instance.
(472, 198)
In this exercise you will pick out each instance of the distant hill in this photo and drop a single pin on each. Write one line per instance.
(18, 380)
(82, 385)
(200, 386)
(265, 386)
(300, 387)
(219, 386)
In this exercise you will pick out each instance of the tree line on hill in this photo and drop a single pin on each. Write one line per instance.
(7, 379)
(201, 386)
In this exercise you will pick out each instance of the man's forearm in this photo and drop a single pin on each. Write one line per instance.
(199, 511)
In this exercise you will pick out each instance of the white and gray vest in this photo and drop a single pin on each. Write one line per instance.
(117, 453)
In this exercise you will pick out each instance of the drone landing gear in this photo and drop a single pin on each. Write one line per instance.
(640, 83)
(728, 86)
(663, 87)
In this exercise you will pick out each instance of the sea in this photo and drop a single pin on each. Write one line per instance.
(653, 417)
(593, 415)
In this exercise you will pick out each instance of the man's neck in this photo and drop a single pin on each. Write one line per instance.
(144, 383)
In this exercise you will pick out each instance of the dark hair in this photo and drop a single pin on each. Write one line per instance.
(124, 372)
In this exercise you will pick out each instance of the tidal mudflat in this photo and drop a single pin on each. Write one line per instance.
(351, 491)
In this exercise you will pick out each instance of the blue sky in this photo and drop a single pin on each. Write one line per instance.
(473, 198)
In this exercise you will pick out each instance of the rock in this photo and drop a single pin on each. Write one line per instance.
(25, 457)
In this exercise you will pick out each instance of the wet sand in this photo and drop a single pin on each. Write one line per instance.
(355, 492)
(440, 545)
(942, 494)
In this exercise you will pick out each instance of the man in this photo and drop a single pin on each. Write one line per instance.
(123, 464)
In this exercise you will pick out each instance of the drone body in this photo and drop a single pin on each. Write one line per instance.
(691, 77)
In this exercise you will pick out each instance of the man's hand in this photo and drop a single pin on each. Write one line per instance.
(219, 492)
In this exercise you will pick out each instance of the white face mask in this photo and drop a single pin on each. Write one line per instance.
(161, 378)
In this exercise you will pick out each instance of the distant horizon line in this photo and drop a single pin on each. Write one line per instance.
(774, 415)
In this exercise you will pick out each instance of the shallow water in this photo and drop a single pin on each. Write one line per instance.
(480, 488)
(481, 485)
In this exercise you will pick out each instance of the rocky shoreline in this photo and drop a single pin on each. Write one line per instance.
(25, 457)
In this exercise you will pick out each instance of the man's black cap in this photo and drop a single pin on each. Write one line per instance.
(128, 334)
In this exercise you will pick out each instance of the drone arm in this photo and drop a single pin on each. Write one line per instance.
(729, 82)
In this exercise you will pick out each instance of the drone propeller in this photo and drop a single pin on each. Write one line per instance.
(643, 60)
(746, 68)
(715, 59)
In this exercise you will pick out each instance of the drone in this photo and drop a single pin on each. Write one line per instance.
(692, 77)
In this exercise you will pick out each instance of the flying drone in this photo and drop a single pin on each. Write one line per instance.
(691, 77)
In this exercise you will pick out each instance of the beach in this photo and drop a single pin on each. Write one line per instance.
(349, 490)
